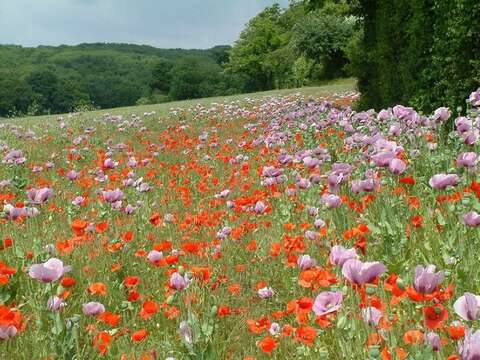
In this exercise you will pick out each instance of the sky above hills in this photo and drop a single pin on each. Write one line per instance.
(160, 23)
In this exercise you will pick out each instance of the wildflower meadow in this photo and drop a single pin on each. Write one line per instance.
(285, 227)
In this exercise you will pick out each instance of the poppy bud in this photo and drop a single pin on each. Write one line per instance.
(170, 299)
(370, 290)
(373, 352)
(341, 322)
(401, 283)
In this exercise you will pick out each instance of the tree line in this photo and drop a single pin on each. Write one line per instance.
(61, 79)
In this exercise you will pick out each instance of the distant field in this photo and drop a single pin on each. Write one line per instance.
(332, 87)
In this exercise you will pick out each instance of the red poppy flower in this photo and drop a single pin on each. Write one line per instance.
(435, 316)
(139, 335)
(131, 281)
(306, 335)
(267, 344)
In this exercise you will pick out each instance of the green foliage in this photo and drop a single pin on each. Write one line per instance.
(293, 47)
(418, 52)
(61, 79)
(162, 78)
(261, 37)
(323, 37)
(193, 77)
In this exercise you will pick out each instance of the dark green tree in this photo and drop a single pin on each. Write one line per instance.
(193, 77)
(323, 38)
(162, 76)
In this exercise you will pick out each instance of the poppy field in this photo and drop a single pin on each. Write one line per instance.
(287, 227)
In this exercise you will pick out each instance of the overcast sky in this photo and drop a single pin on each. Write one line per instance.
(160, 23)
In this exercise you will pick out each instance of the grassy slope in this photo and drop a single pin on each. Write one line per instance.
(326, 89)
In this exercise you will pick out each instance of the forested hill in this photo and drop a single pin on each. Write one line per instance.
(49, 79)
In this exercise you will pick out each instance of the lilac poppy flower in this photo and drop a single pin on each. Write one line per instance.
(382, 159)
(384, 115)
(319, 223)
(129, 209)
(72, 175)
(265, 292)
(270, 171)
(13, 213)
(79, 200)
(342, 168)
(39, 196)
(303, 183)
(143, 187)
(367, 185)
(442, 114)
(433, 339)
(474, 98)
(132, 162)
(260, 207)
(49, 271)
(441, 181)
(469, 348)
(179, 282)
(113, 196)
(275, 329)
(467, 159)
(397, 166)
(312, 211)
(55, 303)
(426, 279)
(311, 235)
(315, 178)
(471, 138)
(402, 112)
(7, 332)
(331, 200)
(334, 180)
(93, 308)
(154, 256)
(14, 157)
(463, 124)
(339, 255)
(290, 192)
(472, 219)
(110, 164)
(223, 194)
(395, 129)
(467, 306)
(310, 162)
(371, 315)
(224, 232)
(327, 302)
(361, 273)
(305, 262)
(186, 332)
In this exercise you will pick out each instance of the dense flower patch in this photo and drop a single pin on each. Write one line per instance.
(286, 227)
